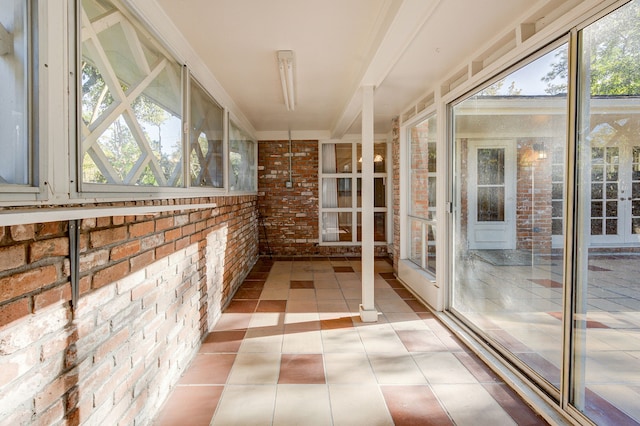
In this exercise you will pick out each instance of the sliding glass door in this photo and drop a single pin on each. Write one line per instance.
(508, 275)
(546, 218)
(606, 357)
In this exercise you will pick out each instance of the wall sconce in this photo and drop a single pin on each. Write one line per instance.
(286, 66)
(541, 153)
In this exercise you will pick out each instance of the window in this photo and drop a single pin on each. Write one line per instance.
(242, 160)
(422, 194)
(131, 117)
(16, 139)
(206, 139)
(341, 186)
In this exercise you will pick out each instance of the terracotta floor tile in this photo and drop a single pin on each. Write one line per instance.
(241, 306)
(513, 405)
(335, 323)
(199, 402)
(301, 284)
(222, 341)
(388, 275)
(395, 283)
(416, 305)
(479, 369)
(339, 269)
(301, 369)
(404, 293)
(546, 283)
(257, 276)
(272, 306)
(257, 284)
(414, 406)
(208, 369)
(248, 293)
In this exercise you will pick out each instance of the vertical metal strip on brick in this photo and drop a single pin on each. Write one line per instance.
(74, 260)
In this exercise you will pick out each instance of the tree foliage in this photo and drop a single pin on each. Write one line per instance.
(118, 143)
(611, 47)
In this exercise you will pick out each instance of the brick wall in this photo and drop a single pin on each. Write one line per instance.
(290, 215)
(150, 288)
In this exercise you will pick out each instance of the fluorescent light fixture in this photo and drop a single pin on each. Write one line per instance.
(286, 64)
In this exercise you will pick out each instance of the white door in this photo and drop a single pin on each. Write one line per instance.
(492, 195)
(615, 194)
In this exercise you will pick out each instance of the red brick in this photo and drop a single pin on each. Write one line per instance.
(142, 260)
(110, 274)
(87, 224)
(14, 310)
(118, 220)
(108, 236)
(140, 229)
(48, 229)
(23, 232)
(125, 250)
(103, 222)
(173, 234)
(164, 223)
(182, 243)
(52, 296)
(93, 259)
(48, 248)
(12, 257)
(26, 282)
(165, 250)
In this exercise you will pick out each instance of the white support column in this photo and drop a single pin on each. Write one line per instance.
(368, 312)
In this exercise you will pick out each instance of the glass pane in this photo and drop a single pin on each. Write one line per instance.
(490, 166)
(336, 158)
(507, 230)
(206, 144)
(606, 321)
(379, 157)
(415, 242)
(379, 226)
(490, 204)
(345, 226)
(422, 169)
(343, 161)
(336, 192)
(242, 160)
(131, 104)
(15, 161)
(380, 192)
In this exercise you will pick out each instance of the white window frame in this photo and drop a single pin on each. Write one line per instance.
(354, 175)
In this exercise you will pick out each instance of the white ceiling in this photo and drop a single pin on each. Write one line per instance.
(401, 47)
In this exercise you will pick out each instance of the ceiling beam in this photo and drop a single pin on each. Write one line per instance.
(401, 26)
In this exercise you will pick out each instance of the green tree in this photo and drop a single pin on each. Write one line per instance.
(612, 47)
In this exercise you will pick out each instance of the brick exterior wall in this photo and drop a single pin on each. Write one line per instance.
(151, 286)
(290, 215)
(533, 202)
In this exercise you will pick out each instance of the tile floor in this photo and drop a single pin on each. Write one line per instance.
(520, 307)
(290, 349)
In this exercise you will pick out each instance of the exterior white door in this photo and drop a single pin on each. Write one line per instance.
(491, 195)
(615, 194)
